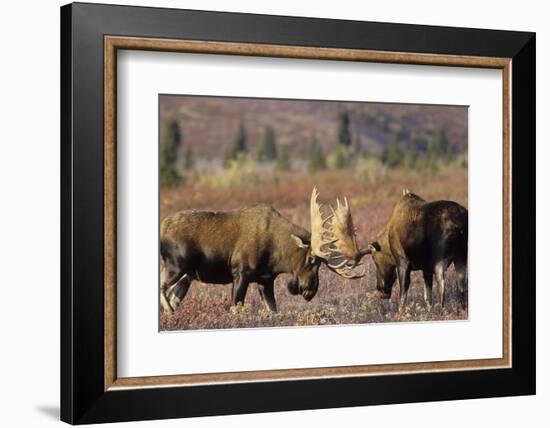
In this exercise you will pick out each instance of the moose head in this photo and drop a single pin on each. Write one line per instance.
(332, 242)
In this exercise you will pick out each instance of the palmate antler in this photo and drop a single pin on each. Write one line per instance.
(319, 233)
(334, 241)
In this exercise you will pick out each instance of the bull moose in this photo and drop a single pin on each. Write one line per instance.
(254, 245)
(426, 236)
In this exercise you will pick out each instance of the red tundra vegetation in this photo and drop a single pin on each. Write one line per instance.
(338, 300)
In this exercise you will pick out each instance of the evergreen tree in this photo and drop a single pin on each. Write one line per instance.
(434, 149)
(447, 150)
(344, 134)
(317, 159)
(411, 157)
(169, 150)
(283, 158)
(441, 146)
(188, 159)
(239, 142)
(177, 140)
(393, 153)
(358, 145)
(267, 149)
(432, 156)
(339, 158)
(237, 147)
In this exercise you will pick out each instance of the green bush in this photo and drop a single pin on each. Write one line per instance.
(283, 158)
(369, 170)
(242, 171)
(340, 158)
(393, 155)
(316, 160)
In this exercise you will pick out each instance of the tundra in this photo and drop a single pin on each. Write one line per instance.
(253, 245)
(426, 236)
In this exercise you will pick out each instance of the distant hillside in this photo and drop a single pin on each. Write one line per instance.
(209, 124)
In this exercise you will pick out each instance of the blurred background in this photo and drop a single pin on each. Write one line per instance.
(222, 153)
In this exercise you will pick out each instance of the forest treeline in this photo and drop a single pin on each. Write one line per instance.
(423, 153)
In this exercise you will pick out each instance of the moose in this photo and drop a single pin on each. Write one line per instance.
(254, 245)
(426, 236)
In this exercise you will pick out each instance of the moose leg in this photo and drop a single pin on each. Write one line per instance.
(173, 281)
(168, 278)
(177, 292)
(428, 284)
(240, 286)
(266, 289)
(440, 268)
(164, 302)
(404, 276)
(462, 274)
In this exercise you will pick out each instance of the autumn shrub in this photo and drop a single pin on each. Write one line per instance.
(241, 171)
(369, 170)
(339, 300)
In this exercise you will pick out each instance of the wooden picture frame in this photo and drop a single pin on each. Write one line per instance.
(90, 389)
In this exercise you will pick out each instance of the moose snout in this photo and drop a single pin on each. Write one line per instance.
(293, 288)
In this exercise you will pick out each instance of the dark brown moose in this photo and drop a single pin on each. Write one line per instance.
(426, 236)
(253, 245)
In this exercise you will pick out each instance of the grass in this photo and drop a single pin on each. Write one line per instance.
(338, 301)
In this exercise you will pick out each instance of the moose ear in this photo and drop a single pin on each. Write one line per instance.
(373, 247)
(299, 242)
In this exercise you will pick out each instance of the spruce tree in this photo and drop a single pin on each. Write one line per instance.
(344, 134)
(432, 156)
(283, 158)
(188, 159)
(441, 147)
(317, 159)
(169, 150)
(358, 145)
(393, 153)
(411, 157)
(267, 149)
(239, 142)
(446, 149)
(237, 147)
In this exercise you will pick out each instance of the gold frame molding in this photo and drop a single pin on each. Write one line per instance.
(113, 43)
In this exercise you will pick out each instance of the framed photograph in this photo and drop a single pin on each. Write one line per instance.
(265, 213)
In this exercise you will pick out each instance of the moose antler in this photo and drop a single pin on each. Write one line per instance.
(344, 232)
(319, 234)
(338, 239)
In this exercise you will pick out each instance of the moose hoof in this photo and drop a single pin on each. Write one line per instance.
(402, 305)
(383, 295)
